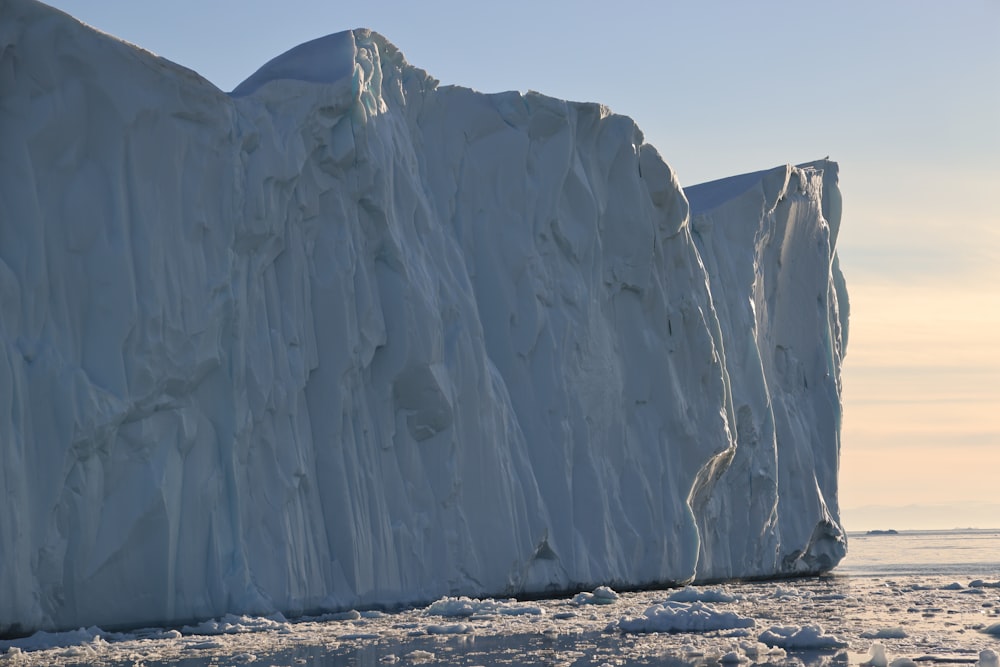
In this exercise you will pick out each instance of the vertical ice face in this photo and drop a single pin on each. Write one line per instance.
(768, 240)
(348, 337)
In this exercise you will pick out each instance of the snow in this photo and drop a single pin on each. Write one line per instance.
(346, 338)
(329, 60)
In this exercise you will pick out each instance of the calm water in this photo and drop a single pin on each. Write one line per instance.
(933, 597)
(968, 553)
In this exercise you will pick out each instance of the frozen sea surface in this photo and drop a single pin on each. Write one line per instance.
(933, 598)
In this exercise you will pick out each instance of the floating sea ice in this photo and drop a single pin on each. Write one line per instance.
(692, 594)
(794, 637)
(449, 629)
(759, 650)
(988, 658)
(351, 615)
(683, 617)
(420, 656)
(601, 595)
(876, 656)
(520, 610)
(87, 649)
(605, 593)
(781, 592)
(463, 607)
(460, 607)
(230, 624)
(42, 640)
(885, 633)
(830, 597)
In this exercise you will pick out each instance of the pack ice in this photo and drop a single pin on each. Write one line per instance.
(347, 337)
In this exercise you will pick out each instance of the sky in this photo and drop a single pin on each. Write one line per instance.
(904, 94)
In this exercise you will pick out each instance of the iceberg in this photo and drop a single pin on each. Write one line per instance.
(346, 337)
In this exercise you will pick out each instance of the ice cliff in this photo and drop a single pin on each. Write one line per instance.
(348, 337)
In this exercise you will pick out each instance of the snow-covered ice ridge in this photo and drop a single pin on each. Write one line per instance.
(345, 337)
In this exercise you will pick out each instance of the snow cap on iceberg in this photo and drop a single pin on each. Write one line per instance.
(326, 59)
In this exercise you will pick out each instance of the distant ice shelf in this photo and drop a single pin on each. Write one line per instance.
(346, 337)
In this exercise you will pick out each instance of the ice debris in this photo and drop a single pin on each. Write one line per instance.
(696, 594)
(684, 617)
(231, 624)
(464, 607)
(601, 595)
(988, 658)
(885, 633)
(796, 637)
(876, 656)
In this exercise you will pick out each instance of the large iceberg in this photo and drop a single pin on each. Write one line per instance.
(347, 337)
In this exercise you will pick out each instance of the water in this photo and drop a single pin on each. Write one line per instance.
(909, 592)
(969, 553)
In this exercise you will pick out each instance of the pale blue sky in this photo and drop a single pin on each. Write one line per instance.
(904, 94)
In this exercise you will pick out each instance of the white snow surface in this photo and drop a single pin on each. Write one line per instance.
(347, 338)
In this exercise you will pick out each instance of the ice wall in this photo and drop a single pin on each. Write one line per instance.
(767, 240)
(347, 337)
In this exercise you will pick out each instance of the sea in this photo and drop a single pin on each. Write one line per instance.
(898, 600)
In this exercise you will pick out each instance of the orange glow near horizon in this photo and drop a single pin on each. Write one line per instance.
(921, 395)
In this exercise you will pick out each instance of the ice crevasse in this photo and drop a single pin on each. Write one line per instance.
(347, 337)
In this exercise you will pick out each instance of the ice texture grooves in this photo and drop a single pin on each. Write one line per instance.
(346, 337)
